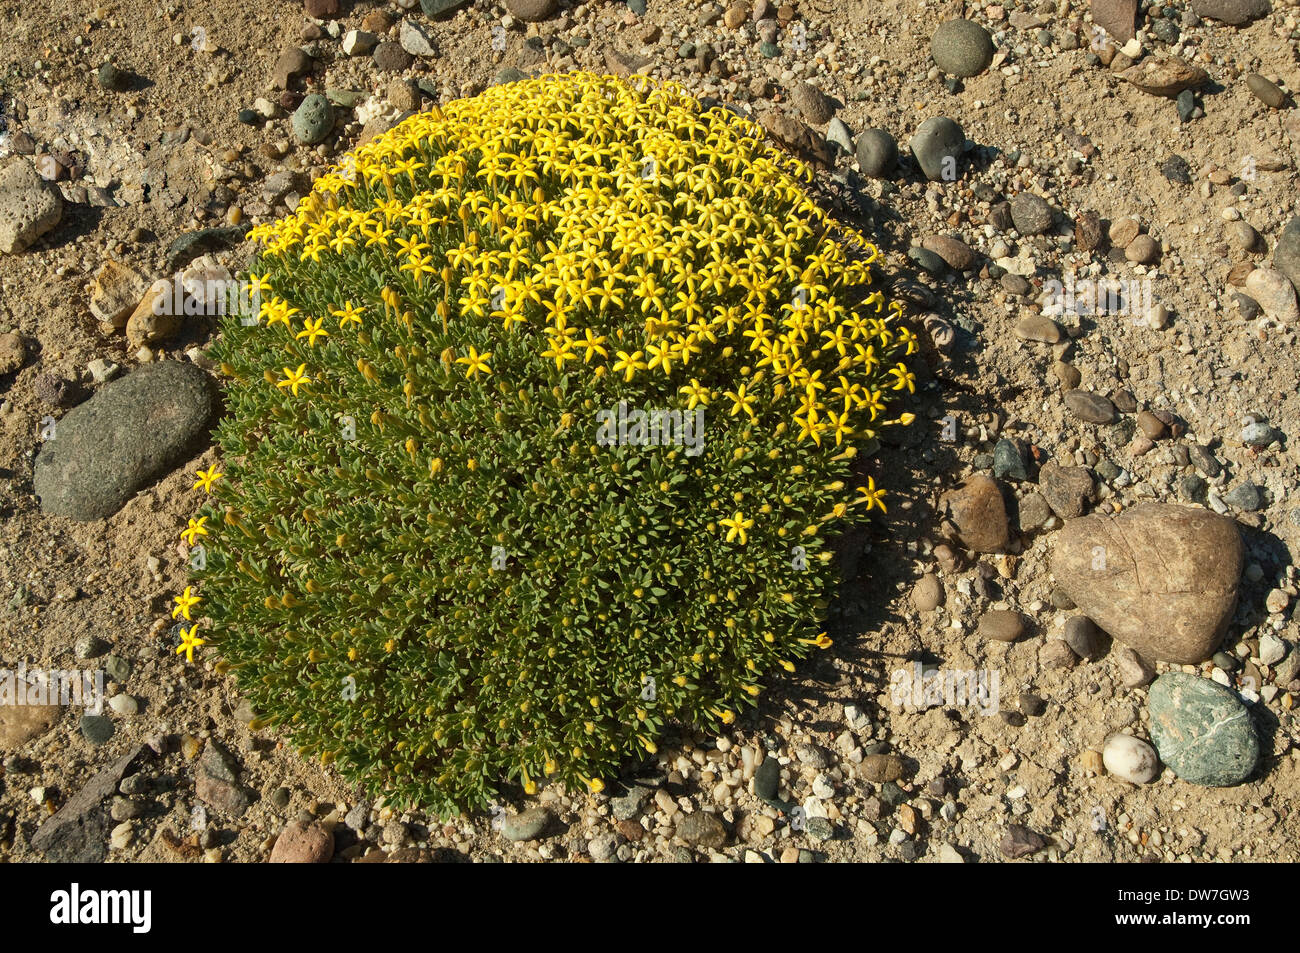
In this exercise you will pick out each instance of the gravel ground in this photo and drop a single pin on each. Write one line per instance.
(1078, 166)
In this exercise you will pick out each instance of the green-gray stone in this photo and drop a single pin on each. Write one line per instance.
(96, 729)
(1008, 462)
(436, 8)
(313, 120)
(770, 50)
(767, 779)
(961, 48)
(1202, 730)
(347, 98)
(130, 432)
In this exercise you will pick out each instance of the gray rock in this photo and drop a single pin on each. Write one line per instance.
(526, 825)
(531, 11)
(391, 58)
(29, 206)
(626, 806)
(1134, 670)
(1093, 408)
(1204, 460)
(961, 48)
(1031, 214)
(1084, 638)
(216, 781)
(96, 729)
(701, 829)
(1008, 461)
(1232, 12)
(1244, 496)
(1202, 730)
(767, 780)
(878, 153)
(1034, 512)
(437, 8)
(1001, 625)
(130, 432)
(937, 147)
(415, 39)
(313, 120)
(1265, 90)
(814, 105)
(839, 135)
(1286, 255)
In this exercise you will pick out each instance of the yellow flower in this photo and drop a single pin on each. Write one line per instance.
(347, 314)
(184, 603)
(294, 379)
(189, 642)
(312, 331)
(741, 400)
(696, 393)
(871, 496)
(629, 364)
(738, 527)
(206, 478)
(476, 363)
(194, 530)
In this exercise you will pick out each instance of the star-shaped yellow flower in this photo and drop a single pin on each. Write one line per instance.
(206, 478)
(195, 529)
(184, 603)
(738, 527)
(294, 379)
(312, 331)
(189, 642)
(476, 363)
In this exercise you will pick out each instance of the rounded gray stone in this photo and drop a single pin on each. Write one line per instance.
(29, 206)
(313, 120)
(1286, 255)
(1031, 214)
(961, 48)
(1202, 730)
(877, 153)
(937, 147)
(129, 433)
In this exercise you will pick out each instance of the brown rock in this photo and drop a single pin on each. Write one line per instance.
(293, 62)
(737, 13)
(927, 594)
(1066, 489)
(301, 843)
(1036, 327)
(1160, 578)
(882, 768)
(1151, 425)
(1001, 625)
(1165, 75)
(12, 352)
(1124, 230)
(956, 254)
(1087, 230)
(1067, 374)
(1056, 653)
(321, 9)
(1090, 407)
(1142, 250)
(116, 291)
(153, 318)
(1116, 17)
(19, 724)
(979, 513)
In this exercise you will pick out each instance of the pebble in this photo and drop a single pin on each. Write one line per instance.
(303, 843)
(1202, 730)
(1275, 294)
(96, 729)
(1084, 638)
(955, 253)
(1143, 250)
(292, 63)
(1286, 254)
(1134, 670)
(526, 825)
(128, 433)
(877, 153)
(1162, 75)
(124, 704)
(1232, 12)
(927, 594)
(1030, 213)
(359, 42)
(416, 40)
(814, 105)
(881, 768)
(937, 147)
(313, 120)
(961, 48)
(1245, 497)
(1271, 649)
(1009, 461)
(980, 514)
(702, 829)
(1001, 625)
(1265, 90)
(391, 58)
(1131, 759)
(1020, 841)
(1089, 407)
(531, 11)
(29, 206)
(1160, 577)
(1066, 489)
(839, 135)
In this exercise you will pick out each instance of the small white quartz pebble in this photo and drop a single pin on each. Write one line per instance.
(1130, 758)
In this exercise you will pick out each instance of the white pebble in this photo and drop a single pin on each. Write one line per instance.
(1130, 758)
